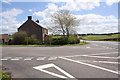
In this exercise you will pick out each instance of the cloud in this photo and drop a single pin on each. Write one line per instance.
(101, 28)
(51, 8)
(32, 10)
(76, 5)
(11, 13)
(94, 23)
(110, 2)
(96, 19)
(6, 1)
(8, 20)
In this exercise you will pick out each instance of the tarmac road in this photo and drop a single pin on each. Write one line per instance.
(96, 60)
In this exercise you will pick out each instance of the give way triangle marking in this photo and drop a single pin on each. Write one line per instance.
(42, 67)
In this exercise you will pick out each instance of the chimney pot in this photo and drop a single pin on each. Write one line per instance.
(37, 21)
(29, 17)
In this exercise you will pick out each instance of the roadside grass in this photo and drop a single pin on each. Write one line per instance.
(45, 45)
(4, 76)
(102, 37)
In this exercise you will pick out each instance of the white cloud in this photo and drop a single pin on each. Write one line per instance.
(110, 2)
(93, 23)
(32, 10)
(96, 19)
(11, 13)
(8, 20)
(101, 28)
(75, 5)
(51, 8)
(5, 1)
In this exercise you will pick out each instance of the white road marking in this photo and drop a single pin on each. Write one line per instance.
(101, 57)
(41, 58)
(105, 53)
(42, 67)
(16, 58)
(28, 58)
(52, 58)
(90, 54)
(3, 59)
(87, 47)
(107, 62)
(99, 61)
(94, 66)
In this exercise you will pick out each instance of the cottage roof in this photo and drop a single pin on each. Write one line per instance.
(30, 18)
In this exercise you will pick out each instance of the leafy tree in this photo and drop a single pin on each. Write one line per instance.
(64, 22)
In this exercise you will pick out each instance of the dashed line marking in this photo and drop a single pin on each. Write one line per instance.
(87, 47)
(28, 58)
(52, 58)
(3, 59)
(41, 58)
(16, 58)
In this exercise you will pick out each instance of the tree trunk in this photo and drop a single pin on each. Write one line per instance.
(67, 32)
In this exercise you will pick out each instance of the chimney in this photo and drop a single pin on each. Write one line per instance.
(37, 21)
(29, 17)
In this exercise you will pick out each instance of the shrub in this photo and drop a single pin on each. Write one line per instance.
(31, 40)
(73, 39)
(65, 40)
(48, 39)
(22, 38)
(19, 38)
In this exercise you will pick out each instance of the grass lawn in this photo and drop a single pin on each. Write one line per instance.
(101, 37)
(81, 43)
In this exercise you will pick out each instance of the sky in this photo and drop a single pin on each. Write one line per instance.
(95, 16)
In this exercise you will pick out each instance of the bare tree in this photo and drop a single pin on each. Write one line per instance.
(64, 22)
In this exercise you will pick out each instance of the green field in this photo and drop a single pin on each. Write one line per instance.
(114, 37)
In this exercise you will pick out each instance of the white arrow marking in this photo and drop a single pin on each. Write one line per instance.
(42, 67)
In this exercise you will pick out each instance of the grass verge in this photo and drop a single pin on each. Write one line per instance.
(45, 45)
(4, 76)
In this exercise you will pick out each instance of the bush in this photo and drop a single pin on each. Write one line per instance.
(22, 38)
(73, 39)
(19, 38)
(31, 40)
(65, 40)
